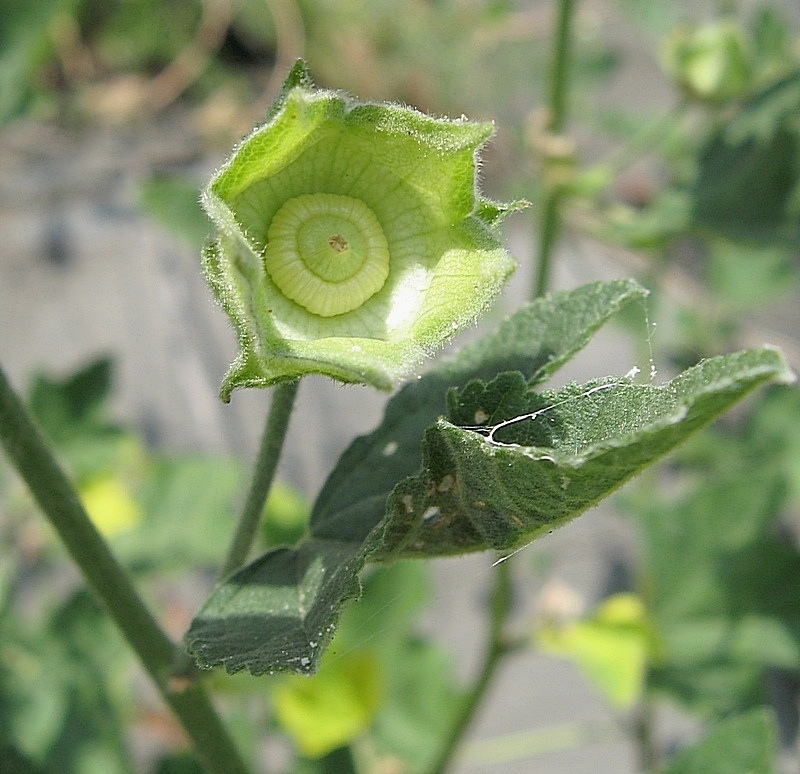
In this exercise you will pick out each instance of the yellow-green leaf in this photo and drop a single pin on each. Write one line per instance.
(332, 708)
(611, 647)
(110, 505)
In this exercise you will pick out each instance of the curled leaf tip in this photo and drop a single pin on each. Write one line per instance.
(351, 240)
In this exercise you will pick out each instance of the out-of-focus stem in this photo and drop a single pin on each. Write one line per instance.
(557, 113)
(496, 648)
(31, 456)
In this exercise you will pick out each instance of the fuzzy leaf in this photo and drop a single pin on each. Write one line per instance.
(541, 459)
(538, 339)
(280, 612)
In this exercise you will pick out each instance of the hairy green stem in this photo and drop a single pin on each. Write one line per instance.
(30, 455)
(280, 411)
(557, 109)
(496, 648)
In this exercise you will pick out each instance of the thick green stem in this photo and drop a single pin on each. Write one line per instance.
(269, 453)
(559, 67)
(496, 648)
(29, 453)
(557, 112)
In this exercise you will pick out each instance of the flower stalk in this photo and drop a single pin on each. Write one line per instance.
(269, 454)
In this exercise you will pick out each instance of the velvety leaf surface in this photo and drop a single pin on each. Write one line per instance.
(278, 613)
(538, 460)
(536, 340)
(242, 624)
(532, 462)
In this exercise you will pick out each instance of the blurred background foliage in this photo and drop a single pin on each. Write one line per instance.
(696, 187)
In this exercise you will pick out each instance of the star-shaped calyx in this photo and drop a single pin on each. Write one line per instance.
(351, 239)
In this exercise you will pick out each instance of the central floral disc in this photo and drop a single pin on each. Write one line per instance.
(326, 252)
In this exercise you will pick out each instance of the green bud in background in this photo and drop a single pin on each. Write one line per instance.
(710, 63)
